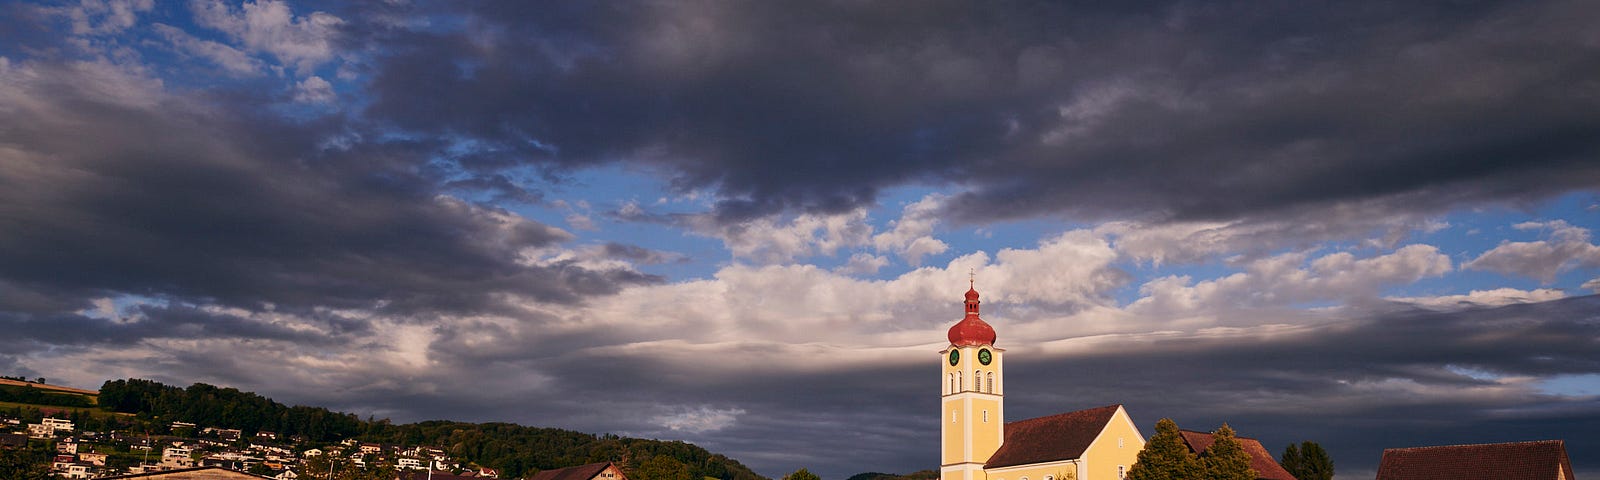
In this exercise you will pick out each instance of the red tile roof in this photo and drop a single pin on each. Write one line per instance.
(1539, 460)
(580, 472)
(1266, 467)
(1047, 439)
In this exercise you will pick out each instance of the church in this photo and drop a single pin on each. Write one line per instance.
(977, 443)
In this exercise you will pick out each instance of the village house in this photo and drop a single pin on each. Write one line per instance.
(177, 457)
(1540, 460)
(92, 458)
(593, 471)
(1266, 467)
(40, 430)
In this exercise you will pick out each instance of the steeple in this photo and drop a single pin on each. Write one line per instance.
(971, 330)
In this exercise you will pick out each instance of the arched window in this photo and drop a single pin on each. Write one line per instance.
(961, 384)
(977, 380)
(952, 383)
(1049, 477)
(990, 383)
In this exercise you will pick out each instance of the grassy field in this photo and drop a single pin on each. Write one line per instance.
(46, 386)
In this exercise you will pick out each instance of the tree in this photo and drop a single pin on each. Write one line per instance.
(802, 474)
(25, 464)
(1308, 461)
(662, 467)
(1226, 459)
(1291, 460)
(1166, 457)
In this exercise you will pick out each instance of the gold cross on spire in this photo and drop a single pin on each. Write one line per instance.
(972, 275)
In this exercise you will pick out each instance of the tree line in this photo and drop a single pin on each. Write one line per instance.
(38, 396)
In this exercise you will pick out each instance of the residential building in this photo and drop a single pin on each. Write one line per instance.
(92, 458)
(60, 424)
(1540, 460)
(177, 457)
(1266, 467)
(593, 471)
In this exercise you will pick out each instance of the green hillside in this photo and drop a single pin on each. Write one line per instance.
(515, 450)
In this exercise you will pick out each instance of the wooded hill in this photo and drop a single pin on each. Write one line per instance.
(513, 449)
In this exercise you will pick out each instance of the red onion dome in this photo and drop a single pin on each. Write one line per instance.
(971, 330)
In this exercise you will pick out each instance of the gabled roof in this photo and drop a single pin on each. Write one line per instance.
(1266, 467)
(1500, 461)
(1048, 439)
(580, 472)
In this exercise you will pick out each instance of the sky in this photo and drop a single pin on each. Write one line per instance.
(747, 225)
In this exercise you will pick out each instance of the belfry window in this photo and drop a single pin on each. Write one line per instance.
(977, 380)
(952, 383)
(989, 384)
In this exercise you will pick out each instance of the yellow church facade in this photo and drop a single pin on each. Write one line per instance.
(977, 444)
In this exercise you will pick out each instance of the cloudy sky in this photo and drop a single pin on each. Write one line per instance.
(748, 224)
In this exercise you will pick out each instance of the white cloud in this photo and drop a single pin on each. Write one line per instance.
(775, 240)
(581, 222)
(314, 90)
(1593, 285)
(227, 57)
(863, 264)
(1564, 248)
(1196, 242)
(911, 236)
(700, 420)
(103, 17)
(269, 26)
(1494, 297)
(1288, 279)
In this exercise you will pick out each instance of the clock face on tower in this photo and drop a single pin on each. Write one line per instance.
(984, 356)
(955, 357)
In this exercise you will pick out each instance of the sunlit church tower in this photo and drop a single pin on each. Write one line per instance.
(976, 443)
(974, 396)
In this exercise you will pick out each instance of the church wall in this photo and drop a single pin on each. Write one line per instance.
(1063, 470)
(1118, 445)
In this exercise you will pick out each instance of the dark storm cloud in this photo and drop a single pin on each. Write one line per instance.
(1179, 109)
(29, 333)
(640, 255)
(111, 188)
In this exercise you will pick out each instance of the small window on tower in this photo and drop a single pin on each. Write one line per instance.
(952, 416)
(985, 416)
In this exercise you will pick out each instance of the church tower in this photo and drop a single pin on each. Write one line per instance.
(973, 423)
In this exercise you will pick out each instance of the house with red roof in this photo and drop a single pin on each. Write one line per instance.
(593, 471)
(977, 444)
(1261, 460)
(1540, 460)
